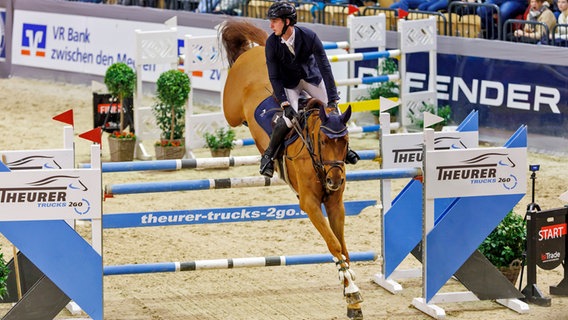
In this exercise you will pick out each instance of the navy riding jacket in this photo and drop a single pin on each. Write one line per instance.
(309, 63)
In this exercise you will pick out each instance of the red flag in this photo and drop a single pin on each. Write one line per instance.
(352, 9)
(402, 13)
(65, 117)
(93, 135)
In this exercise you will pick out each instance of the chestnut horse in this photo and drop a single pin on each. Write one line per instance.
(313, 164)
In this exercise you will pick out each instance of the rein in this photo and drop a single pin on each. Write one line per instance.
(318, 161)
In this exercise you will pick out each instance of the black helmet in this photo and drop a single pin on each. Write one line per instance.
(283, 10)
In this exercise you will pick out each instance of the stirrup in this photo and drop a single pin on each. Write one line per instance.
(266, 169)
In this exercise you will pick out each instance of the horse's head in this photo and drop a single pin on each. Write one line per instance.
(332, 144)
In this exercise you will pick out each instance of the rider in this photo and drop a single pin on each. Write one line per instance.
(296, 63)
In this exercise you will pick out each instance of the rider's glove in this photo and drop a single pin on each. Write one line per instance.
(332, 105)
(289, 112)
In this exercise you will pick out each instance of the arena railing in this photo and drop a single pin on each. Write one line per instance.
(560, 35)
(390, 14)
(540, 36)
(441, 19)
(474, 20)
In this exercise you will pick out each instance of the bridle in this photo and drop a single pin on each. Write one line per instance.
(313, 142)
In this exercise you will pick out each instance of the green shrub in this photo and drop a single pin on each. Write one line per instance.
(507, 242)
(173, 88)
(221, 139)
(120, 80)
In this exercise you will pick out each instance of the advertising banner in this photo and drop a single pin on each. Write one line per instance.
(50, 195)
(89, 44)
(405, 150)
(506, 93)
(482, 172)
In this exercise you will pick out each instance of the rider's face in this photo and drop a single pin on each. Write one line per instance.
(277, 25)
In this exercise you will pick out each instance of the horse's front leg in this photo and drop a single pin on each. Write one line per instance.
(312, 206)
(336, 214)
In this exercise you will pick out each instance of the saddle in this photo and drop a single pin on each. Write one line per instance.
(266, 113)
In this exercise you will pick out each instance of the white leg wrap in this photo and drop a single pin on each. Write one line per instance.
(351, 286)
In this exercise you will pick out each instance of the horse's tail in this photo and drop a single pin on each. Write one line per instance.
(239, 36)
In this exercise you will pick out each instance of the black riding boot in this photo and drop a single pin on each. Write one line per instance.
(278, 134)
(352, 157)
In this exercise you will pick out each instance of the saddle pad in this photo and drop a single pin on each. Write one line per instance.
(264, 114)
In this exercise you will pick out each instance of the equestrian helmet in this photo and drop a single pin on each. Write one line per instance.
(283, 10)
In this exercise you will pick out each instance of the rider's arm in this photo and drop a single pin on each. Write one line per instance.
(272, 62)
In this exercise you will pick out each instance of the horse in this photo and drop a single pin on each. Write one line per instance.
(313, 165)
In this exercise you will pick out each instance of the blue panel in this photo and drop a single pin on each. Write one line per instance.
(470, 123)
(402, 226)
(63, 256)
(403, 222)
(459, 233)
(518, 139)
(3, 167)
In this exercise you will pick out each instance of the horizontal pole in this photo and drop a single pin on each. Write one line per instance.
(363, 56)
(336, 45)
(363, 106)
(245, 182)
(367, 80)
(209, 163)
(233, 263)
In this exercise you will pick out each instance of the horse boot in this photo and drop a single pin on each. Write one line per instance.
(352, 157)
(279, 132)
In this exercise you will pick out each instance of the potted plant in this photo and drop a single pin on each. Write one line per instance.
(120, 80)
(173, 88)
(505, 246)
(220, 142)
(387, 89)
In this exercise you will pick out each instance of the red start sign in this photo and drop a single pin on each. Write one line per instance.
(551, 240)
(552, 232)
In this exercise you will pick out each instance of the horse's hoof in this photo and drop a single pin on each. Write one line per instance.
(353, 298)
(355, 314)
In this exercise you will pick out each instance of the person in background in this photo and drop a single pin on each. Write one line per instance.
(561, 35)
(508, 9)
(539, 12)
(297, 64)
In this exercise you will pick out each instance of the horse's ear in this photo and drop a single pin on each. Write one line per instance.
(346, 115)
(322, 114)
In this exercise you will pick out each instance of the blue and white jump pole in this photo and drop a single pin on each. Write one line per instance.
(234, 263)
(205, 184)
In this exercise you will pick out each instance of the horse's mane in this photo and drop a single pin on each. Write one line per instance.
(238, 36)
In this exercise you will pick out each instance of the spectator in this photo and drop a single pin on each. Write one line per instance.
(433, 5)
(531, 33)
(207, 6)
(561, 35)
(508, 9)
(406, 4)
(422, 5)
(563, 8)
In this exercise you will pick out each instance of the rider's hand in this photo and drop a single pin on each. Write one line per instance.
(289, 112)
(332, 104)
